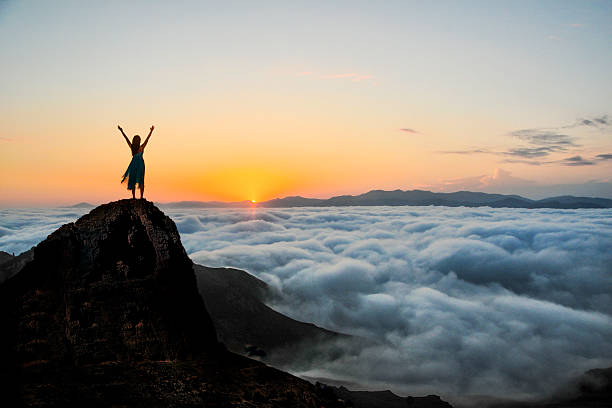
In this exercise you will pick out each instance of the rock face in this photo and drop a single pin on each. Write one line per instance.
(108, 313)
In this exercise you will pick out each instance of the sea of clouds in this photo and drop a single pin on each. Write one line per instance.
(456, 301)
(21, 229)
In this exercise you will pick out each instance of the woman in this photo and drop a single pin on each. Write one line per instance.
(136, 170)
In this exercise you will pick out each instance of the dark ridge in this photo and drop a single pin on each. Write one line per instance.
(414, 198)
(5, 256)
(244, 323)
(82, 205)
(10, 264)
(383, 399)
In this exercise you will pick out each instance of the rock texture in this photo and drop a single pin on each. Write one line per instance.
(108, 314)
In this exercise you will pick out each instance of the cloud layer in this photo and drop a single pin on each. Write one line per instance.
(461, 301)
(456, 301)
(21, 229)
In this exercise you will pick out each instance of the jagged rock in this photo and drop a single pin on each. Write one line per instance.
(108, 314)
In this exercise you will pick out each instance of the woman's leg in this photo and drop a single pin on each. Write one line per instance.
(134, 192)
(141, 191)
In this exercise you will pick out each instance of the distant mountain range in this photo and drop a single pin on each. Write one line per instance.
(81, 205)
(413, 198)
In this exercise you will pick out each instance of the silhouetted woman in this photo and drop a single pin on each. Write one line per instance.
(136, 170)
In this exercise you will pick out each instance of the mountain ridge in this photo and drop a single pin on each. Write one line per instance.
(410, 198)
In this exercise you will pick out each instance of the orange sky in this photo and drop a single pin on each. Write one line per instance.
(251, 103)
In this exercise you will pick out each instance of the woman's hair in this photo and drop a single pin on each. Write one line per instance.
(135, 144)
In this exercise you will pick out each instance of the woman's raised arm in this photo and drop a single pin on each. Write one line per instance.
(147, 139)
(125, 137)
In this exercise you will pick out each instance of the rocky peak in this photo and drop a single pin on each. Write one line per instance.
(115, 285)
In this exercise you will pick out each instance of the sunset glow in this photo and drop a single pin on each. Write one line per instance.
(239, 117)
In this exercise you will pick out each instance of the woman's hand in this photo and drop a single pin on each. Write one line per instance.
(120, 128)
(152, 127)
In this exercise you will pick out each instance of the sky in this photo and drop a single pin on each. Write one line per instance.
(257, 100)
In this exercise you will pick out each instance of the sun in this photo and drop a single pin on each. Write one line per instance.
(253, 201)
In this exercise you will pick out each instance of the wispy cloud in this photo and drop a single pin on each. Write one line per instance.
(545, 142)
(576, 25)
(408, 130)
(532, 152)
(530, 162)
(600, 122)
(472, 151)
(524, 152)
(6, 139)
(548, 138)
(576, 161)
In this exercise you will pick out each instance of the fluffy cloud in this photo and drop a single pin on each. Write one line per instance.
(21, 229)
(454, 301)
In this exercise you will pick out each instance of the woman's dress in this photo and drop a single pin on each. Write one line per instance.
(135, 172)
